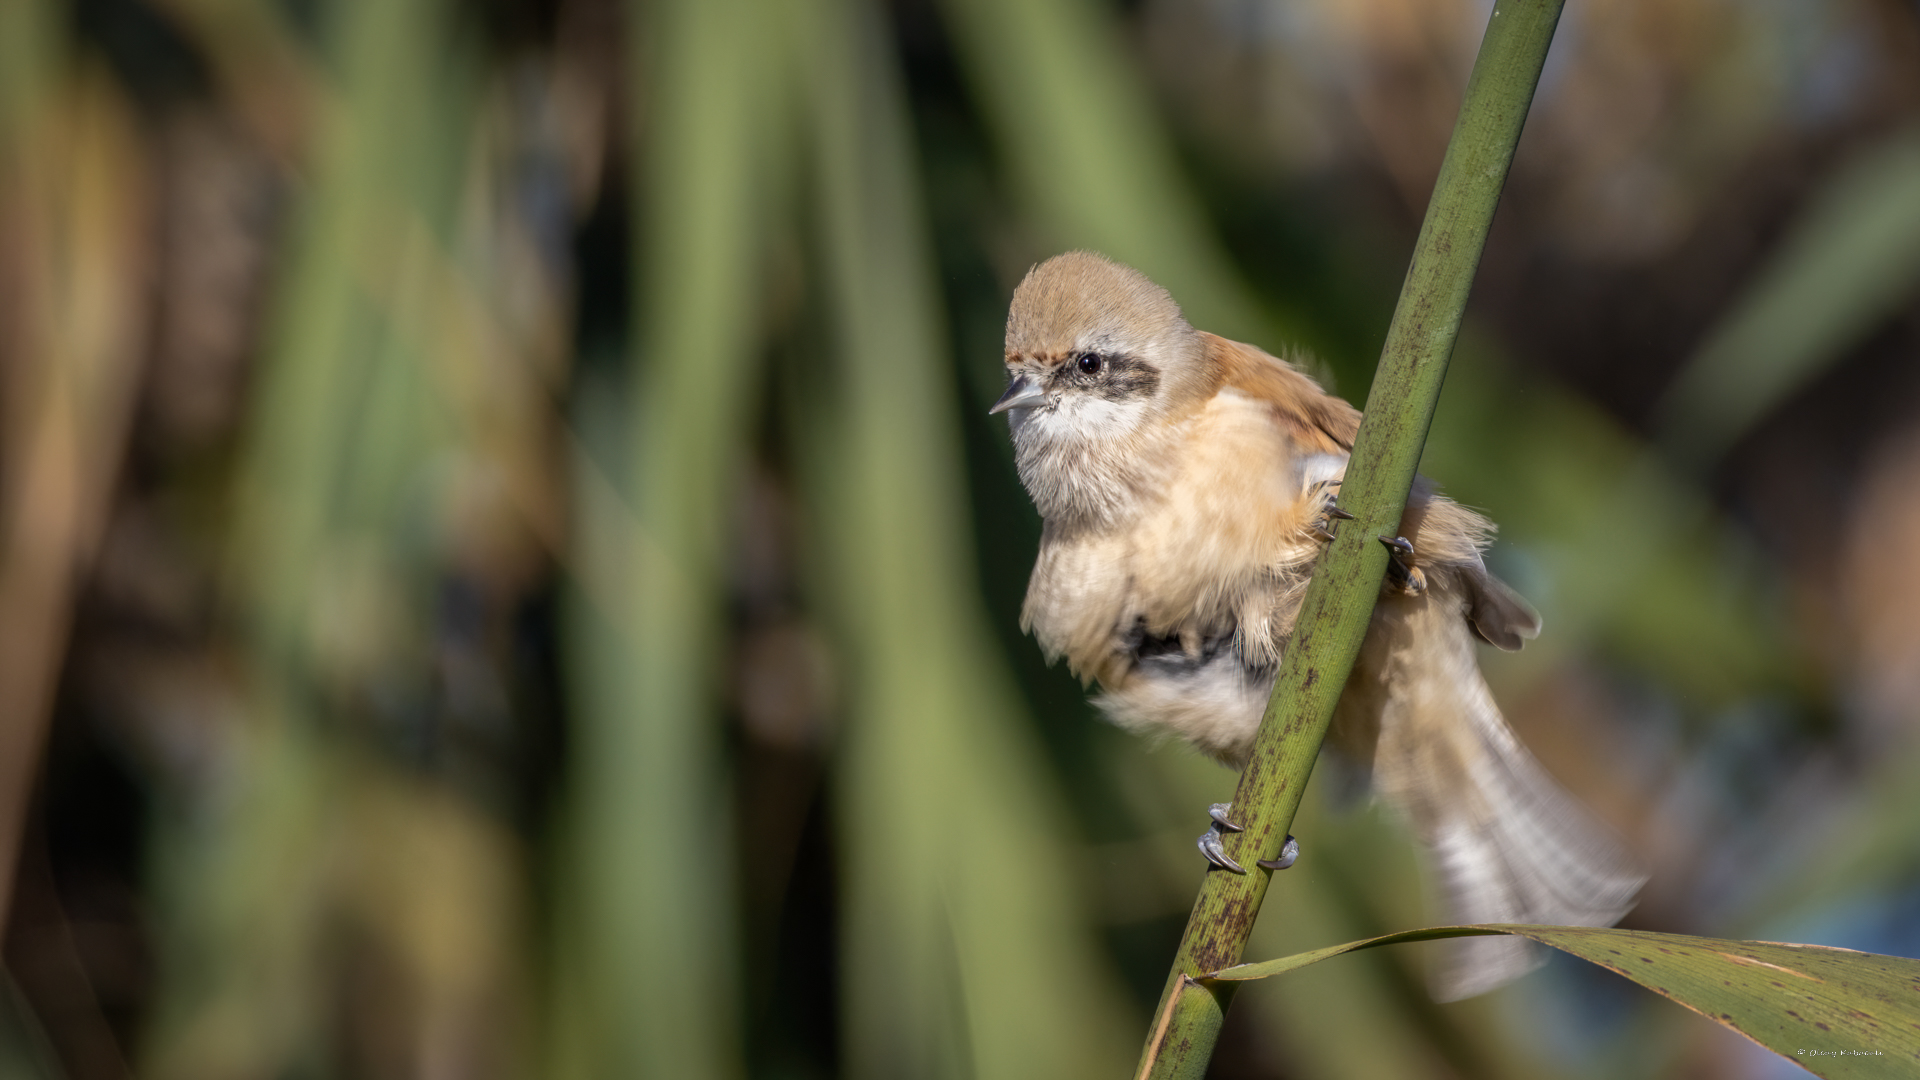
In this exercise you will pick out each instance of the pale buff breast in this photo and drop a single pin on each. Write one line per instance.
(1219, 546)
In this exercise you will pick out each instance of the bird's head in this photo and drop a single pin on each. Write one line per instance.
(1099, 360)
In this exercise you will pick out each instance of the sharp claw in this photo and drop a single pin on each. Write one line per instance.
(1289, 853)
(1405, 576)
(1320, 534)
(1336, 512)
(1209, 845)
(1218, 812)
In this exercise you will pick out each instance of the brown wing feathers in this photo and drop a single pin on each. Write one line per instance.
(1319, 422)
(1443, 531)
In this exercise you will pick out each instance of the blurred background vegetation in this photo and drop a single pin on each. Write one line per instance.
(505, 571)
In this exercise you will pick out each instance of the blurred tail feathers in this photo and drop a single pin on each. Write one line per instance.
(1509, 844)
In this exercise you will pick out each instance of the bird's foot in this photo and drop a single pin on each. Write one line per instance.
(1210, 843)
(1218, 812)
(1402, 575)
(1289, 854)
(1321, 527)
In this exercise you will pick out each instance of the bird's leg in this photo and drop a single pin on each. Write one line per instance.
(1216, 853)
(1402, 575)
(1321, 527)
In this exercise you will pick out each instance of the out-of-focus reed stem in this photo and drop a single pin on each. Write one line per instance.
(965, 949)
(329, 573)
(652, 957)
(1090, 156)
(73, 197)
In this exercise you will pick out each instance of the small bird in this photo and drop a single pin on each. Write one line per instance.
(1186, 484)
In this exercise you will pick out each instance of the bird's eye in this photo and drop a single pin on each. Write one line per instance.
(1090, 363)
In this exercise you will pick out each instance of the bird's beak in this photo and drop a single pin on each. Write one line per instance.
(1022, 393)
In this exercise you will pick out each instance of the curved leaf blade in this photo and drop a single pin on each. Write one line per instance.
(1836, 1012)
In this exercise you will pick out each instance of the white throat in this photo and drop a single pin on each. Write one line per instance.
(1083, 459)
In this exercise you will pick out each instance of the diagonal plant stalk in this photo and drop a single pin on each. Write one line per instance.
(1339, 602)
